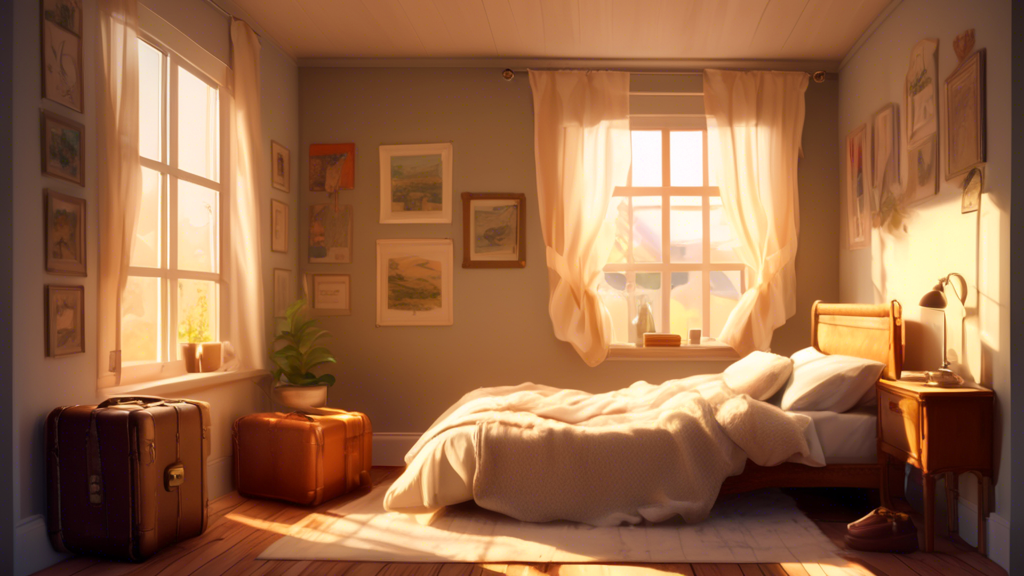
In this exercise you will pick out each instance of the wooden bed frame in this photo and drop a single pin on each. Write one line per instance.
(873, 331)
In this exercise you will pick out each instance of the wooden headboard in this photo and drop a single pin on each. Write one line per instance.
(872, 331)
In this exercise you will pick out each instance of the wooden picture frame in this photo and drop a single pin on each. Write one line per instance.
(414, 282)
(493, 230)
(921, 93)
(62, 148)
(329, 294)
(284, 291)
(280, 167)
(332, 167)
(64, 234)
(885, 152)
(330, 234)
(65, 13)
(858, 202)
(965, 116)
(416, 184)
(61, 62)
(64, 313)
(973, 186)
(278, 226)
(922, 170)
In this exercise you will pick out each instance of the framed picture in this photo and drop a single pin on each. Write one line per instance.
(414, 282)
(858, 205)
(974, 183)
(284, 293)
(280, 167)
(65, 13)
(965, 116)
(921, 93)
(330, 294)
(923, 178)
(65, 234)
(885, 151)
(330, 234)
(63, 148)
(278, 226)
(65, 320)
(332, 167)
(416, 184)
(493, 230)
(62, 65)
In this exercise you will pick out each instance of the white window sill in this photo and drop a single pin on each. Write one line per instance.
(182, 383)
(708, 350)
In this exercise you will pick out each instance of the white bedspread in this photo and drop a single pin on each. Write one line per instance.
(648, 451)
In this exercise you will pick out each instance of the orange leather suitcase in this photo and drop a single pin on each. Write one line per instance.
(128, 477)
(302, 458)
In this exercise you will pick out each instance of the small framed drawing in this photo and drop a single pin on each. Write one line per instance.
(330, 234)
(65, 234)
(62, 65)
(858, 204)
(414, 282)
(885, 151)
(332, 167)
(923, 177)
(965, 116)
(63, 147)
(278, 226)
(416, 184)
(65, 320)
(330, 294)
(280, 167)
(65, 13)
(283, 292)
(973, 184)
(493, 230)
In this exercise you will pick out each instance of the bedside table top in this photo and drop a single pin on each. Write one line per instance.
(967, 389)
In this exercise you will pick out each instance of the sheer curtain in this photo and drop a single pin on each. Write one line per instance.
(120, 175)
(582, 149)
(755, 124)
(243, 277)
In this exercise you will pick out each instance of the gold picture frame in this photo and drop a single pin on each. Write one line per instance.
(65, 234)
(965, 116)
(64, 314)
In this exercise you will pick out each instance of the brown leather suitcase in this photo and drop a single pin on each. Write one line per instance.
(128, 477)
(302, 458)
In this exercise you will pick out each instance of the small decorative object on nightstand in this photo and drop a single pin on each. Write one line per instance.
(936, 300)
(939, 431)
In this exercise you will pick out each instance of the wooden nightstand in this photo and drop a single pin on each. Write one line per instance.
(939, 431)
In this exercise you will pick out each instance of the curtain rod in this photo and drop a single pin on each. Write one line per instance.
(818, 76)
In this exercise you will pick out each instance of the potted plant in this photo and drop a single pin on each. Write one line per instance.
(296, 354)
(193, 330)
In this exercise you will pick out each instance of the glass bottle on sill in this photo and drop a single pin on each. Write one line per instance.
(644, 320)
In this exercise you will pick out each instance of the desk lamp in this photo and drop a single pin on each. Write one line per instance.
(936, 300)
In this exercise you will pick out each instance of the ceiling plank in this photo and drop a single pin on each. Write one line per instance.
(430, 27)
(529, 17)
(390, 16)
(346, 23)
(561, 27)
(508, 41)
(776, 25)
(832, 26)
(468, 25)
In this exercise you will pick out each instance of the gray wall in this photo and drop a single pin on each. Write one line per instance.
(404, 377)
(6, 282)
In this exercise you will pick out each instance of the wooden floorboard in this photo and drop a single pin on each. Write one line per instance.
(241, 528)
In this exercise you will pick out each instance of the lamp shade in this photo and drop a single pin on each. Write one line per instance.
(936, 298)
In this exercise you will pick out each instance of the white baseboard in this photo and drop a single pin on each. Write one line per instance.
(997, 533)
(32, 549)
(220, 477)
(389, 448)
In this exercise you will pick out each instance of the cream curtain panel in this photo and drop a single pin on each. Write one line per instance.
(120, 175)
(755, 124)
(242, 273)
(582, 149)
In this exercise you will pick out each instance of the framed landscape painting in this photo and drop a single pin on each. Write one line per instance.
(278, 226)
(63, 144)
(858, 203)
(493, 230)
(965, 116)
(62, 65)
(416, 184)
(280, 167)
(330, 294)
(330, 234)
(65, 320)
(414, 282)
(332, 167)
(65, 234)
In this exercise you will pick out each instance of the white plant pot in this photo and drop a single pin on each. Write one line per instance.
(301, 397)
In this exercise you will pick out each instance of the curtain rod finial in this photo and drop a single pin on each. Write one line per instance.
(508, 74)
(819, 76)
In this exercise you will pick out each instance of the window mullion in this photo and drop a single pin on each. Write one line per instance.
(706, 237)
(172, 214)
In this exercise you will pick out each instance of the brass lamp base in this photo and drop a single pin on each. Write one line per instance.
(943, 378)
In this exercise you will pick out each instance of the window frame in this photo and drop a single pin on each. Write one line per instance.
(180, 52)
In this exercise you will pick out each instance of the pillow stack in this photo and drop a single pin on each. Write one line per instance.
(830, 383)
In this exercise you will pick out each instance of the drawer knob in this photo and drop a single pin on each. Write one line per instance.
(895, 407)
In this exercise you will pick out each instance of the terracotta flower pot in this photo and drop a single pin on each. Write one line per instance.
(301, 397)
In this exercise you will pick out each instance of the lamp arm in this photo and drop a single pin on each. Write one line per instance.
(963, 282)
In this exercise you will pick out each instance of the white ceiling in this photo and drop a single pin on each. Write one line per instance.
(620, 29)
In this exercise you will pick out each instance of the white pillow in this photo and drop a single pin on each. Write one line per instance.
(806, 355)
(758, 374)
(832, 383)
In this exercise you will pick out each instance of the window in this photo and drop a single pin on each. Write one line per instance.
(173, 293)
(674, 248)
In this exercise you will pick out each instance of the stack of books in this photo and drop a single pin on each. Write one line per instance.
(659, 340)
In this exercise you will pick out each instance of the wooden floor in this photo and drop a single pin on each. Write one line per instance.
(241, 528)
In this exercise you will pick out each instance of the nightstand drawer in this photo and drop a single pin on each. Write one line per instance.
(900, 419)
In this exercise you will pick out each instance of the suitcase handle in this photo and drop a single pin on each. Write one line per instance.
(144, 401)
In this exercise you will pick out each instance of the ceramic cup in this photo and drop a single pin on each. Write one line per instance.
(210, 356)
(190, 354)
(695, 336)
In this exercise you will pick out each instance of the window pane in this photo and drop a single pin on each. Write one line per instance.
(151, 98)
(646, 157)
(618, 215)
(648, 291)
(198, 227)
(647, 229)
(146, 244)
(198, 126)
(612, 290)
(723, 241)
(726, 289)
(197, 311)
(686, 312)
(140, 320)
(686, 157)
(687, 225)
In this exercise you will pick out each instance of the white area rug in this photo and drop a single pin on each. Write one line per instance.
(761, 526)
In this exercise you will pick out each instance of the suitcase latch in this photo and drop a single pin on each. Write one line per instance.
(174, 476)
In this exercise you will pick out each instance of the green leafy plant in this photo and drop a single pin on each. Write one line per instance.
(299, 354)
(195, 326)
